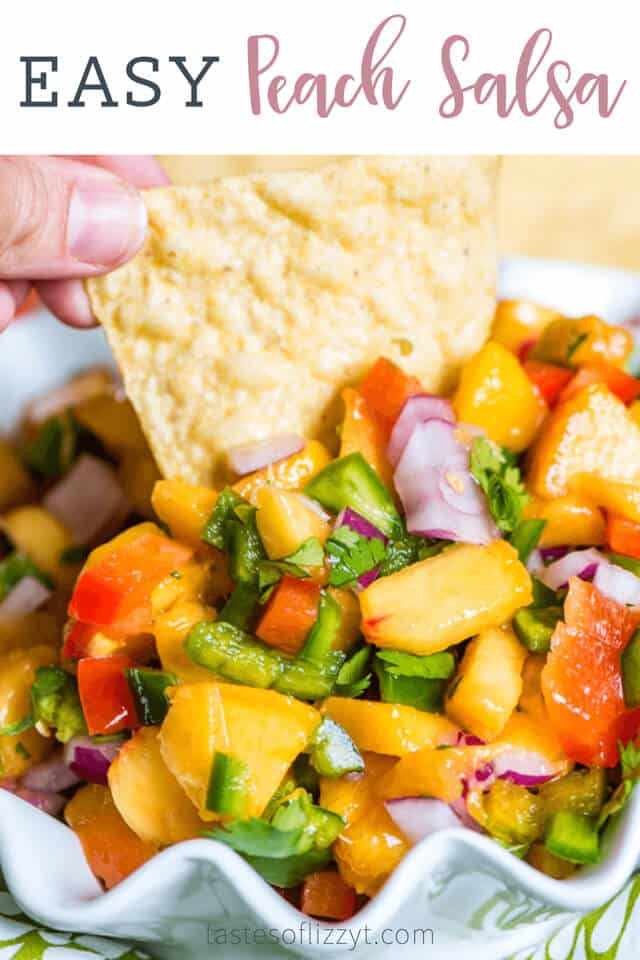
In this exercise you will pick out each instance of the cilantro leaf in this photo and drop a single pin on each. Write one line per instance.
(630, 761)
(352, 690)
(630, 765)
(353, 679)
(350, 555)
(436, 666)
(295, 842)
(216, 528)
(526, 536)
(271, 571)
(19, 726)
(309, 554)
(406, 550)
(501, 483)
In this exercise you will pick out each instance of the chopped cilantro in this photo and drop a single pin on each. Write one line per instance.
(500, 480)
(216, 528)
(350, 555)
(406, 550)
(22, 750)
(526, 536)
(17, 727)
(436, 666)
(309, 554)
(17, 566)
(630, 767)
(295, 842)
(271, 571)
(53, 449)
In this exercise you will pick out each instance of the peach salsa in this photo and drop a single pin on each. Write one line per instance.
(330, 659)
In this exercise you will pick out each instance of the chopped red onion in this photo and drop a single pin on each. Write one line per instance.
(526, 768)
(44, 800)
(617, 583)
(84, 387)
(469, 740)
(355, 521)
(578, 563)
(87, 499)
(535, 563)
(249, 457)
(419, 817)
(51, 777)
(459, 807)
(27, 595)
(553, 553)
(416, 410)
(349, 518)
(438, 492)
(91, 760)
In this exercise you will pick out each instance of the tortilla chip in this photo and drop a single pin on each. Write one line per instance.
(256, 299)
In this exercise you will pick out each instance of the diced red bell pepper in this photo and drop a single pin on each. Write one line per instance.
(549, 379)
(623, 535)
(582, 681)
(386, 389)
(290, 613)
(105, 696)
(77, 637)
(625, 387)
(116, 592)
(326, 895)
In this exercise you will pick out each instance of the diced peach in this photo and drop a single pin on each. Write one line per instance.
(290, 474)
(17, 673)
(371, 846)
(433, 773)
(170, 630)
(583, 341)
(184, 507)
(487, 687)
(570, 520)
(419, 609)
(591, 447)
(496, 395)
(519, 322)
(285, 521)
(148, 797)
(16, 485)
(264, 729)
(112, 849)
(389, 728)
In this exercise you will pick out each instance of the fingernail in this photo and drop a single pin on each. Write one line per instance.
(106, 224)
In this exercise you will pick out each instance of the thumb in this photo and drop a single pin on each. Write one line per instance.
(62, 218)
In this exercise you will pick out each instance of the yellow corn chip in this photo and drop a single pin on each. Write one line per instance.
(257, 298)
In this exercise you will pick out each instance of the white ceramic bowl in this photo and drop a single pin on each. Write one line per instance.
(470, 896)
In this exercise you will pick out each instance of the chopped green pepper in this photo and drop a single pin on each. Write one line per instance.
(352, 482)
(573, 837)
(215, 529)
(415, 692)
(53, 449)
(240, 608)
(55, 702)
(17, 566)
(236, 656)
(228, 788)
(148, 688)
(333, 753)
(323, 633)
(630, 663)
(534, 627)
(245, 552)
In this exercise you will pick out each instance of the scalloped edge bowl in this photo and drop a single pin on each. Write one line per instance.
(463, 887)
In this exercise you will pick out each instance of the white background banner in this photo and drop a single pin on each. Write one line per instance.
(341, 76)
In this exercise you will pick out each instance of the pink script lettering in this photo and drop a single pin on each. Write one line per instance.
(376, 83)
(559, 86)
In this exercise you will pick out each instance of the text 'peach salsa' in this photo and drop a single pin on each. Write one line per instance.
(330, 659)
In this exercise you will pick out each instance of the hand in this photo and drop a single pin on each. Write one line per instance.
(65, 218)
